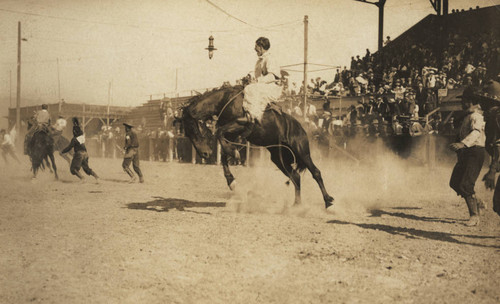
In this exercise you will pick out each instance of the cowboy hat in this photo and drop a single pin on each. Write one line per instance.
(128, 125)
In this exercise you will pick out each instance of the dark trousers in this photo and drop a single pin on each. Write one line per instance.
(132, 156)
(466, 171)
(80, 160)
(496, 197)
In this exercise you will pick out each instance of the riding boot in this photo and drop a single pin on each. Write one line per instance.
(473, 211)
(248, 122)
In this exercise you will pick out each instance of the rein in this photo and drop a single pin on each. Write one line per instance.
(269, 146)
(227, 103)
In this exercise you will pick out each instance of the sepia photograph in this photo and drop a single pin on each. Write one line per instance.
(266, 151)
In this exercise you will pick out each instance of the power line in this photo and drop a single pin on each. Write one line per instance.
(231, 16)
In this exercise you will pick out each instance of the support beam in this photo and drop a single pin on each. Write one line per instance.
(306, 24)
(380, 4)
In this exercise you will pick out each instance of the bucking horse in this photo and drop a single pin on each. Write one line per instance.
(281, 134)
(41, 147)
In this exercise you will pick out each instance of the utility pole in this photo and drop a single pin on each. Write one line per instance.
(380, 4)
(59, 87)
(109, 102)
(176, 72)
(10, 89)
(18, 97)
(306, 23)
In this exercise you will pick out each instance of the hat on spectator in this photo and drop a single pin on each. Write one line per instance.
(127, 125)
(488, 95)
(490, 90)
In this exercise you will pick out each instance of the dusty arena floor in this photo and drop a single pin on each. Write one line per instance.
(396, 236)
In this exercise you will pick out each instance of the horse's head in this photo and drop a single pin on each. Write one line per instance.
(201, 115)
(199, 134)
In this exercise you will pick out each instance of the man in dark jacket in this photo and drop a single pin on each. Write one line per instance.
(80, 157)
(131, 154)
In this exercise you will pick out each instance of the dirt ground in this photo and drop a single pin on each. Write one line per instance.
(396, 236)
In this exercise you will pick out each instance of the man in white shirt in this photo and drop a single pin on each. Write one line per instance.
(7, 144)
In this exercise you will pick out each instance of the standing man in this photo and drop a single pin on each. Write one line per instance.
(80, 157)
(470, 153)
(7, 144)
(131, 154)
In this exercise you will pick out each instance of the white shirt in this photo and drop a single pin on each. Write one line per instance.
(266, 65)
(60, 124)
(7, 141)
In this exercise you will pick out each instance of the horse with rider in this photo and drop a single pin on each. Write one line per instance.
(249, 112)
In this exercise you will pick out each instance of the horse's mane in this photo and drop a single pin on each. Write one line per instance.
(195, 99)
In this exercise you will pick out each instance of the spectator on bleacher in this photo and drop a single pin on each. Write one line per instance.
(416, 129)
(387, 41)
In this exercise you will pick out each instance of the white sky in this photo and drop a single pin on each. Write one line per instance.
(138, 45)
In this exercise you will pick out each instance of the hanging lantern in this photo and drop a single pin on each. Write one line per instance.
(210, 47)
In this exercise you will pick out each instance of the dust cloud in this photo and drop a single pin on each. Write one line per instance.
(374, 177)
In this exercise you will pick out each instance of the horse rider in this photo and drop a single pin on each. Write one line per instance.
(41, 123)
(80, 157)
(131, 154)
(265, 88)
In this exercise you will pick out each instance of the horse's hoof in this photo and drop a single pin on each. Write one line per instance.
(329, 204)
(330, 209)
(232, 185)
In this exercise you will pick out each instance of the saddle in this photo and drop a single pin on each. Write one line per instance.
(272, 106)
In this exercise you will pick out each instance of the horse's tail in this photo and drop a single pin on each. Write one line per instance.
(294, 137)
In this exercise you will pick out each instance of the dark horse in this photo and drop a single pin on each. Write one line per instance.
(280, 133)
(60, 142)
(41, 146)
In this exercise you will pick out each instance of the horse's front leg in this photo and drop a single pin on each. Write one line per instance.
(227, 147)
(227, 173)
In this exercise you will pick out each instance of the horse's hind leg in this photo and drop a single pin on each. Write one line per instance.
(284, 164)
(51, 155)
(317, 176)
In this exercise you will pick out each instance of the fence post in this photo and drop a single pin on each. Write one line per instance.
(218, 153)
(247, 162)
(170, 152)
(193, 154)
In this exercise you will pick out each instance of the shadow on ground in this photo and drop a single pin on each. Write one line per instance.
(379, 213)
(161, 204)
(412, 233)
